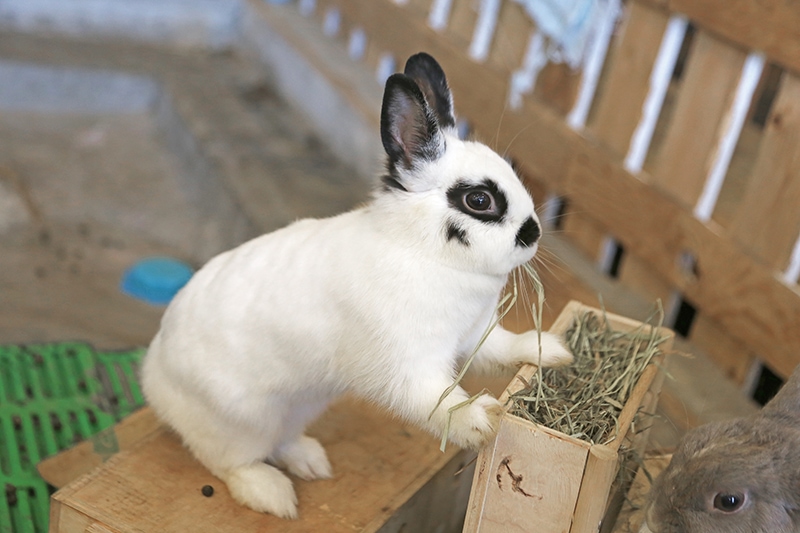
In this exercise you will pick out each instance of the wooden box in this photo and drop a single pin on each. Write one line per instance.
(535, 479)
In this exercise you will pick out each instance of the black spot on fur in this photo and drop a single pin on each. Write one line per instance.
(528, 233)
(454, 232)
(458, 194)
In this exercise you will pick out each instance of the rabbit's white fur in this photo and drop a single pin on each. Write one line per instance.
(378, 301)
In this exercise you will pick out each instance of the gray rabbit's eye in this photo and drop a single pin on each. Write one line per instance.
(728, 502)
(479, 200)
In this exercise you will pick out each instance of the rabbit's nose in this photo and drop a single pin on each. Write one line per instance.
(528, 233)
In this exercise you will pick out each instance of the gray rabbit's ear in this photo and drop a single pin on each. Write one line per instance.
(787, 402)
(409, 130)
(424, 70)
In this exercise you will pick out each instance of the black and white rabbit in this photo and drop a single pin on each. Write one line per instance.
(384, 301)
(737, 476)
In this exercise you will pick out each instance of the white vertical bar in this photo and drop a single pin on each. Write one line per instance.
(357, 45)
(439, 14)
(524, 80)
(659, 82)
(751, 74)
(608, 249)
(307, 7)
(792, 273)
(671, 308)
(552, 206)
(593, 64)
(386, 67)
(484, 30)
(332, 22)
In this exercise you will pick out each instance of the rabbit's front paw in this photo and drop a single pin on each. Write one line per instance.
(305, 458)
(553, 350)
(263, 488)
(473, 426)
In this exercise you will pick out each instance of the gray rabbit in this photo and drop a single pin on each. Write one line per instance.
(741, 475)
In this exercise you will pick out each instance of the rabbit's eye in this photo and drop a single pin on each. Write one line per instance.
(478, 200)
(482, 201)
(728, 502)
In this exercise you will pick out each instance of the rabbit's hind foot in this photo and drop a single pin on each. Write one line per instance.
(305, 458)
(263, 488)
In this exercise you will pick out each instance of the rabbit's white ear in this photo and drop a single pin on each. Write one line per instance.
(409, 130)
(423, 69)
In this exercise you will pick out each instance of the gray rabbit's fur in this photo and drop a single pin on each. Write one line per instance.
(737, 476)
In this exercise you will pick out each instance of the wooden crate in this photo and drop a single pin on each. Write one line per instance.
(535, 479)
(388, 477)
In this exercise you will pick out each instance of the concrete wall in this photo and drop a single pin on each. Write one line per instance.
(206, 23)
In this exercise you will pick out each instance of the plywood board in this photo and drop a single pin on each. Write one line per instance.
(379, 464)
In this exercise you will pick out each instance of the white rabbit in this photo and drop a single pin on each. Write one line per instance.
(736, 476)
(384, 301)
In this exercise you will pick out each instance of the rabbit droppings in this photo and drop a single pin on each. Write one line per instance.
(384, 301)
(737, 476)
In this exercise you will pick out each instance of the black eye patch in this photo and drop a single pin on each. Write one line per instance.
(483, 201)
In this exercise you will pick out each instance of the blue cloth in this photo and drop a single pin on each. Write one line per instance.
(569, 24)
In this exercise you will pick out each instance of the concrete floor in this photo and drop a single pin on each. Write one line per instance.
(86, 194)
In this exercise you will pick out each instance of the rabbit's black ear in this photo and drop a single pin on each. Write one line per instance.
(409, 130)
(424, 70)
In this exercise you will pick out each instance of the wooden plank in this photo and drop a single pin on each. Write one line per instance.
(602, 465)
(767, 222)
(420, 7)
(155, 486)
(771, 26)
(739, 294)
(557, 86)
(60, 469)
(730, 356)
(584, 233)
(463, 15)
(511, 37)
(699, 118)
(619, 107)
(639, 276)
(517, 494)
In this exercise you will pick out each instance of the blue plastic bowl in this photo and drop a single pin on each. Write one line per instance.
(156, 280)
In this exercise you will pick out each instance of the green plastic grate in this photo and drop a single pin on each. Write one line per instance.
(53, 396)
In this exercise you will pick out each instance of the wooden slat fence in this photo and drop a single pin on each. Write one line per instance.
(654, 150)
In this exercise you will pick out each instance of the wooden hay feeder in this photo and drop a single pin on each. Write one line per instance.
(533, 478)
